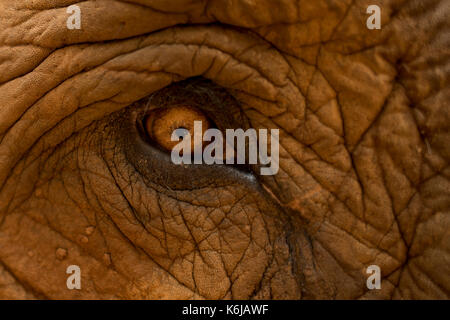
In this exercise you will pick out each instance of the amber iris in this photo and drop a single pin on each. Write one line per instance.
(160, 124)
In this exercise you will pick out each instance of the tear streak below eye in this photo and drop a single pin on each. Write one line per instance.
(160, 123)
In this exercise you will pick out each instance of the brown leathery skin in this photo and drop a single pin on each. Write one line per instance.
(364, 150)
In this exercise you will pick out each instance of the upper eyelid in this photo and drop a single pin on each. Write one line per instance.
(216, 103)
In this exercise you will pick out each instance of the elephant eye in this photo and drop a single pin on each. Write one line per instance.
(144, 131)
(161, 123)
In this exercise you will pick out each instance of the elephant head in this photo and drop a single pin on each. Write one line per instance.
(364, 151)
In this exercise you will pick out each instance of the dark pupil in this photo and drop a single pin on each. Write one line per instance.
(181, 135)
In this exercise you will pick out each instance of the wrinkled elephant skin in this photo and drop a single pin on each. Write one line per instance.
(364, 132)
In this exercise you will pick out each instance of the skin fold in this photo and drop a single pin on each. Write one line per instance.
(364, 174)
